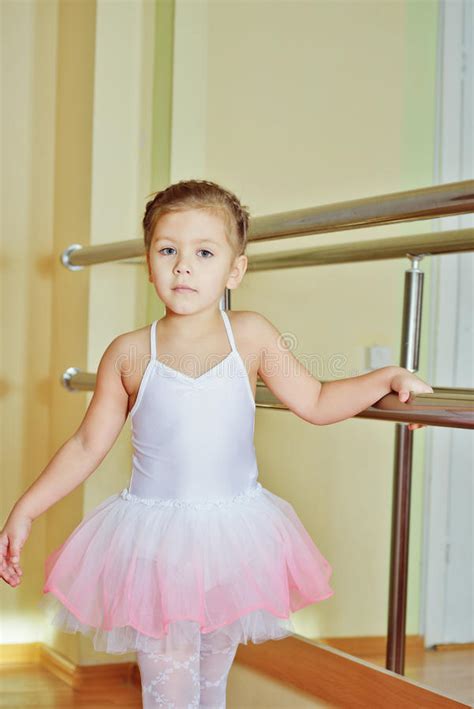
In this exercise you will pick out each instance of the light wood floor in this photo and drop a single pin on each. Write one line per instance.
(25, 685)
(449, 672)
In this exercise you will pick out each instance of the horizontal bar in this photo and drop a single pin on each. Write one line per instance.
(368, 250)
(75, 380)
(429, 244)
(413, 205)
(451, 407)
(76, 256)
(426, 203)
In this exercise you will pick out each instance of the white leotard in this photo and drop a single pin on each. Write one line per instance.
(193, 437)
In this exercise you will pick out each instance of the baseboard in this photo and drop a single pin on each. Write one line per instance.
(366, 646)
(80, 676)
(76, 676)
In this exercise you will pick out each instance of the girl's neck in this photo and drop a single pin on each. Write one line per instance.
(191, 326)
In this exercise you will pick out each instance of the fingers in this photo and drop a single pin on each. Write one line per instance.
(14, 553)
(8, 574)
(10, 549)
(3, 547)
(9, 559)
(403, 396)
(16, 568)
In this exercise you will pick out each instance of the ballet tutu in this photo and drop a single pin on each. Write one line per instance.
(149, 574)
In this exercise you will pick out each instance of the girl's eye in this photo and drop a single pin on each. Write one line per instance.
(167, 248)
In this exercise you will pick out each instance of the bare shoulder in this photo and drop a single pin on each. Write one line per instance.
(131, 351)
(252, 325)
(132, 343)
(243, 319)
(141, 336)
(252, 330)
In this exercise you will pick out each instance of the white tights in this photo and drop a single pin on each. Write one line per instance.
(191, 677)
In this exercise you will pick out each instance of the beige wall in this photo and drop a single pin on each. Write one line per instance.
(46, 83)
(309, 103)
(289, 104)
(77, 145)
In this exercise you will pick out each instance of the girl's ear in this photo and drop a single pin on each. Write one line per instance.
(237, 271)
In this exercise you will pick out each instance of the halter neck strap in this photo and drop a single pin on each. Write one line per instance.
(228, 328)
(153, 339)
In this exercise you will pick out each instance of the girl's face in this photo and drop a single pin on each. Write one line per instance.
(190, 248)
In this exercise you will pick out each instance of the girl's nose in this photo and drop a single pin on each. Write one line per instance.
(181, 266)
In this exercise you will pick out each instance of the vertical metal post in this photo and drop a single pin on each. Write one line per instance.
(226, 299)
(409, 359)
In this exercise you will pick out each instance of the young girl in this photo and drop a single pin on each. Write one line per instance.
(194, 556)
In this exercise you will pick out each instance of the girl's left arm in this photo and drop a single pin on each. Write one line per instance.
(329, 402)
(345, 398)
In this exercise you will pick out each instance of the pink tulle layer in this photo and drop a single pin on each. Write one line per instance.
(134, 576)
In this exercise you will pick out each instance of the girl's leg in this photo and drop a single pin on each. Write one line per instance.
(216, 658)
(170, 679)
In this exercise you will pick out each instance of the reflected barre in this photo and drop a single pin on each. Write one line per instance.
(451, 407)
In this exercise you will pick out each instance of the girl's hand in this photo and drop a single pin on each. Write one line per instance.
(405, 383)
(12, 539)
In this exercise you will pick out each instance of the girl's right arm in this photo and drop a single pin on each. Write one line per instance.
(74, 462)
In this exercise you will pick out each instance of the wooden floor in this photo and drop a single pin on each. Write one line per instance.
(449, 672)
(24, 685)
(32, 686)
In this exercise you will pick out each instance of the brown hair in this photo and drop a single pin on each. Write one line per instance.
(199, 194)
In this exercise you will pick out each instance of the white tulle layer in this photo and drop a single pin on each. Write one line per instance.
(141, 575)
(256, 626)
